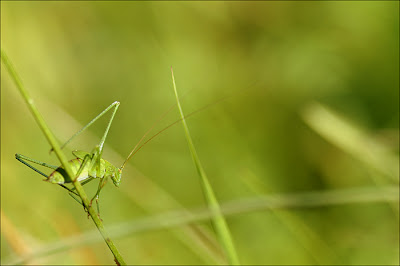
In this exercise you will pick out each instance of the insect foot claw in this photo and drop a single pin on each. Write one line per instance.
(86, 210)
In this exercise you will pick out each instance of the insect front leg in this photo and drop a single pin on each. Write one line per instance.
(73, 193)
(102, 183)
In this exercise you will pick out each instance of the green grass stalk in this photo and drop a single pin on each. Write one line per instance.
(218, 220)
(63, 159)
(182, 217)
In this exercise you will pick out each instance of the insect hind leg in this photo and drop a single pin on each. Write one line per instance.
(114, 105)
(23, 159)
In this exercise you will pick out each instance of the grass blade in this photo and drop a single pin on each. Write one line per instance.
(352, 139)
(180, 217)
(218, 220)
(63, 159)
(355, 141)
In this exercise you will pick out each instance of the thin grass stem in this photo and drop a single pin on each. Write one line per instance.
(218, 220)
(63, 159)
(181, 217)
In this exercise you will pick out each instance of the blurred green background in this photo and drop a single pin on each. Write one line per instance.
(285, 68)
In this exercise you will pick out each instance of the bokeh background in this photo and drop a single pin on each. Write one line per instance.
(312, 104)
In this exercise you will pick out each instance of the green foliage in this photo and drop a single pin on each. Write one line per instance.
(218, 220)
(70, 175)
(287, 68)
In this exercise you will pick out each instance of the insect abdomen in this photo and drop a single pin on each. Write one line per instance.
(59, 176)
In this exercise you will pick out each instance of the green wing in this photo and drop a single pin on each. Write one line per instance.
(80, 154)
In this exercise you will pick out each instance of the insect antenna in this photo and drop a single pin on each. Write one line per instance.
(145, 134)
(136, 148)
(148, 131)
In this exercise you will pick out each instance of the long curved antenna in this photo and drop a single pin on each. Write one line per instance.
(136, 148)
(145, 134)
(148, 131)
(134, 151)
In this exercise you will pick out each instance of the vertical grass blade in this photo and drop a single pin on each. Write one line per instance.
(64, 162)
(218, 220)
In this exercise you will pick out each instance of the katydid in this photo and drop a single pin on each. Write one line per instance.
(89, 166)
(86, 166)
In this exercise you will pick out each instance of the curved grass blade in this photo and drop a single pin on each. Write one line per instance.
(63, 159)
(218, 220)
(180, 217)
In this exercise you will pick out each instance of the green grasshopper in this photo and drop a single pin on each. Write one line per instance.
(89, 166)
